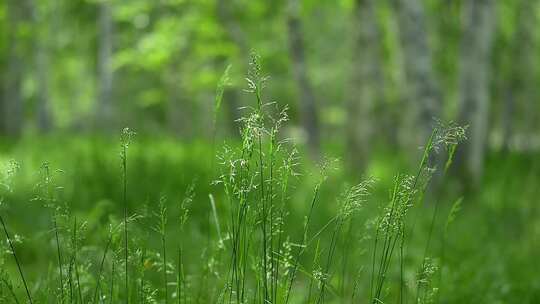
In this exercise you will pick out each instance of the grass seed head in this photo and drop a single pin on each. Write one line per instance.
(353, 199)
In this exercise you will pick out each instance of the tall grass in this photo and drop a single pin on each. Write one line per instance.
(125, 140)
(408, 191)
(50, 202)
(184, 208)
(261, 251)
(10, 171)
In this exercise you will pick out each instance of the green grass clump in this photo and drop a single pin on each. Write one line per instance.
(249, 239)
(6, 183)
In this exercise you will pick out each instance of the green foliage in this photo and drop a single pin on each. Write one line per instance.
(276, 229)
(461, 251)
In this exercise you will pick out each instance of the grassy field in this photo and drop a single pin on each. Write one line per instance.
(269, 152)
(142, 220)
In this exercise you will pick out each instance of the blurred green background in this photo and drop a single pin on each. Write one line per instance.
(365, 82)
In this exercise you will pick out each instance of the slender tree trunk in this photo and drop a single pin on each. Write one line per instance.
(179, 111)
(2, 98)
(530, 20)
(366, 77)
(41, 53)
(104, 110)
(3, 80)
(233, 29)
(507, 119)
(423, 92)
(521, 78)
(235, 33)
(476, 48)
(12, 113)
(44, 113)
(308, 108)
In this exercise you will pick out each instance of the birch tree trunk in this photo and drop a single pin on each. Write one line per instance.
(41, 49)
(180, 116)
(522, 75)
(507, 119)
(365, 86)
(529, 102)
(308, 109)
(424, 97)
(44, 113)
(12, 113)
(237, 36)
(3, 80)
(104, 110)
(478, 30)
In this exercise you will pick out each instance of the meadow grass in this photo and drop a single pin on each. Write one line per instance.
(257, 247)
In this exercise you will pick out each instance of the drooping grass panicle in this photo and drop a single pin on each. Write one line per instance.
(327, 165)
(353, 198)
(350, 202)
(407, 190)
(223, 83)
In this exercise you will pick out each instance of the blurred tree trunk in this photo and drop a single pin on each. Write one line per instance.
(179, 111)
(235, 33)
(12, 113)
(41, 50)
(529, 103)
(365, 86)
(308, 109)
(507, 119)
(44, 114)
(521, 84)
(3, 80)
(478, 30)
(3, 95)
(423, 92)
(233, 29)
(176, 113)
(179, 108)
(104, 110)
